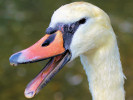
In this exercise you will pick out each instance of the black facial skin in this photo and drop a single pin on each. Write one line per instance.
(67, 29)
(50, 30)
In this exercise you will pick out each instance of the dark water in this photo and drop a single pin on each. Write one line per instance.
(23, 22)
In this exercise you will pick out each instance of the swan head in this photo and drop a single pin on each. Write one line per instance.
(92, 31)
(74, 29)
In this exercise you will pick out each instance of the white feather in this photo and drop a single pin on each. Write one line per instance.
(95, 43)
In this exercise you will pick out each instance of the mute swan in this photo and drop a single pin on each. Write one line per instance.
(78, 29)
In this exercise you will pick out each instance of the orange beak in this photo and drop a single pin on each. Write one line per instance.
(50, 46)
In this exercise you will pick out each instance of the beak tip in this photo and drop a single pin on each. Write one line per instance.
(14, 59)
(29, 94)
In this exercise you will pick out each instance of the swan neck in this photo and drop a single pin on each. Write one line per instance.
(104, 72)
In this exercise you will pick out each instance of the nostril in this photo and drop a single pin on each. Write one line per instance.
(49, 40)
(46, 43)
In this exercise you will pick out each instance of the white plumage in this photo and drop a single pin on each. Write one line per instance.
(95, 43)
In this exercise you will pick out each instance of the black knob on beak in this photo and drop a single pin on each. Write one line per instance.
(50, 30)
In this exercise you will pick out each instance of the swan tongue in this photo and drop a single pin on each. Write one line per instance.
(52, 67)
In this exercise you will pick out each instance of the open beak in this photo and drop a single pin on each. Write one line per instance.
(49, 46)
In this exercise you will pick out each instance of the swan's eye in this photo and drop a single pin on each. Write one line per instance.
(82, 21)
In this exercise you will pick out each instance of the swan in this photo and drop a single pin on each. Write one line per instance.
(78, 29)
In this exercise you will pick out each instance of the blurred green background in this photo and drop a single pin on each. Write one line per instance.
(23, 22)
